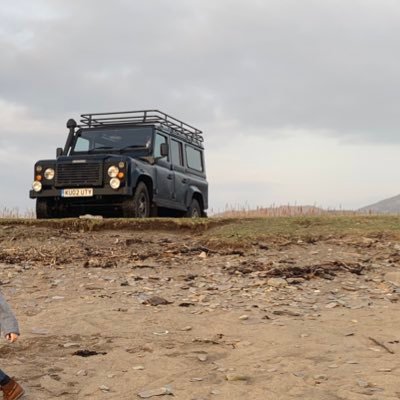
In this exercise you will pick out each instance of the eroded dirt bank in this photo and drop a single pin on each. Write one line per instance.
(116, 314)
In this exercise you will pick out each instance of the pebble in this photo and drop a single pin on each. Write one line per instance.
(186, 328)
(138, 368)
(244, 317)
(146, 394)
(236, 377)
(202, 357)
(69, 345)
(332, 305)
(277, 282)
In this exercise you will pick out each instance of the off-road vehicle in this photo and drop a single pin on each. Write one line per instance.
(131, 164)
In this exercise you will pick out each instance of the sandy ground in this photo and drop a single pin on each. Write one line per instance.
(232, 327)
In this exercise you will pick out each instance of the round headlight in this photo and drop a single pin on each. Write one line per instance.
(121, 164)
(115, 183)
(37, 186)
(49, 174)
(39, 168)
(113, 171)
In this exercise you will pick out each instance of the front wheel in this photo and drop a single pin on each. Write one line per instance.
(46, 209)
(139, 205)
(194, 210)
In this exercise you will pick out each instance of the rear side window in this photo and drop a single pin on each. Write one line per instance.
(176, 152)
(194, 159)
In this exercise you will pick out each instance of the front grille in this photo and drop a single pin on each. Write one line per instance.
(79, 175)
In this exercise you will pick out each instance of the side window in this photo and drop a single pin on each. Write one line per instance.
(194, 159)
(157, 143)
(176, 152)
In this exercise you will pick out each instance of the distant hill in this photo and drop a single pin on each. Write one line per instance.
(387, 206)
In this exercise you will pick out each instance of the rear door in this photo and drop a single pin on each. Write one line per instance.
(180, 178)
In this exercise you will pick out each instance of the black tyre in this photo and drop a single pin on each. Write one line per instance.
(139, 205)
(194, 210)
(43, 209)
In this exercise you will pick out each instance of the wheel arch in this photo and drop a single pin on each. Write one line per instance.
(195, 193)
(148, 181)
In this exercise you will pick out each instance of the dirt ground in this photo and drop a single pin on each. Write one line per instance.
(130, 314)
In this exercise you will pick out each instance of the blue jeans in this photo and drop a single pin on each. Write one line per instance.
(2, 375)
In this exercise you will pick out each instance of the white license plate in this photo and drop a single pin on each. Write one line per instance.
(81, 192)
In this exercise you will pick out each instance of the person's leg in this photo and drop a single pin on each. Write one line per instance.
(4, 378)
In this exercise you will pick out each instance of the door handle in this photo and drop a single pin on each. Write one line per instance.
(169, 176)
(184, 180)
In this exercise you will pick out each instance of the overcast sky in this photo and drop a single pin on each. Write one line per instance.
(298, 99)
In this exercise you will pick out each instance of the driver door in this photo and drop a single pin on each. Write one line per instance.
(164, 175)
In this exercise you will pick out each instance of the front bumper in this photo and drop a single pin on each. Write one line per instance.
(97, 193)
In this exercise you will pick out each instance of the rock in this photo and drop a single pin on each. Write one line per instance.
(186, 328)
(40, 331)
(104, 388)
(156, 301)
(393, 277)
(295, 281)
(202, 357)
(320, 378)
(138, 368)
(90, 216)
(244, 317)
(332, 305)
(146, 394)
(69, 345)
(236, 377)
(56, 388)
(277, 282)
(286, 312)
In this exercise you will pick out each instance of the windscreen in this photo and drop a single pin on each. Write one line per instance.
(112, 139)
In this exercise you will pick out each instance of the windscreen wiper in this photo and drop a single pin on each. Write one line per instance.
(134, 146)
(100, 148)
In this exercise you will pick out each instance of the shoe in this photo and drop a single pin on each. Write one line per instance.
(12, 390)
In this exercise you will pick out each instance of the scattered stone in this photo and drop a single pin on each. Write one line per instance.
(138, 368)
(156, 301)
(286, 312)
(55, 387)
(186, 328)
(82, 372)
(104, 388)
(236, 377)
(332, 305)
(277, 282)
(320, 378)
(393, 277)
(244, 317)
(69, 345)
(202, 357)
(295, 281)
(40, 331)
(163, 391)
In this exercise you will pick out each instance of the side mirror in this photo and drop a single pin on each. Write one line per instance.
(164, 149)
(59, 152)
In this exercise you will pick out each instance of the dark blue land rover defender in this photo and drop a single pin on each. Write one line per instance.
(131, 164)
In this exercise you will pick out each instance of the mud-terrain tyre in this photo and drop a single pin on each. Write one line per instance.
(194, 210)
(139, 205)
(43, 209)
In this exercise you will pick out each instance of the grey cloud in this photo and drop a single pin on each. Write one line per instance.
(327, 66)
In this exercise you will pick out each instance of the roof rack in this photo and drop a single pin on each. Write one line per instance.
(142, 118)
